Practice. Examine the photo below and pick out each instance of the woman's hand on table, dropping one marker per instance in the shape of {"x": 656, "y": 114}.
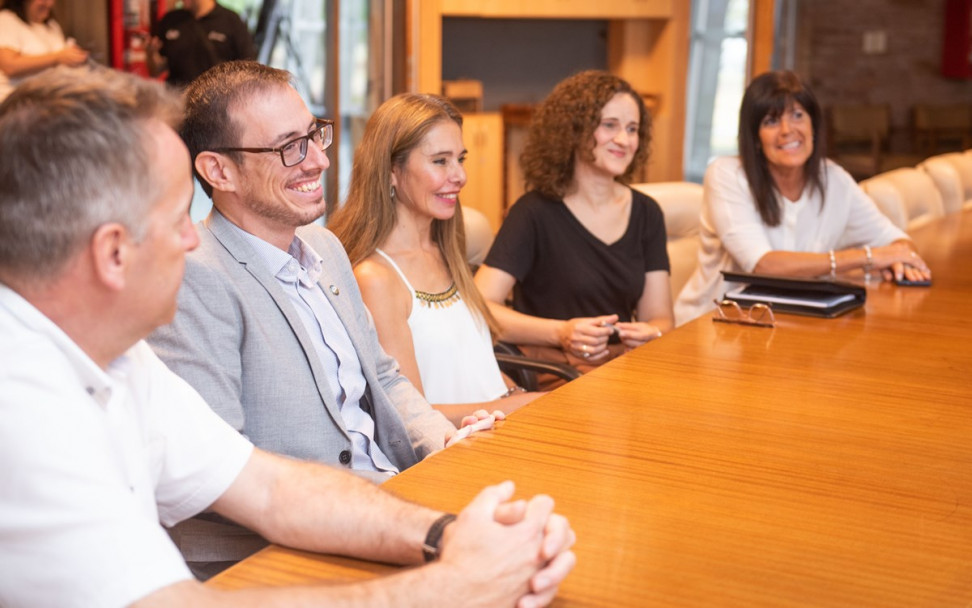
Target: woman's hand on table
{"x": 899, "y": 260}
{"x": 587, "y": 337}
{"x": 480, "y": 420}
{"x": 635, "y": 334}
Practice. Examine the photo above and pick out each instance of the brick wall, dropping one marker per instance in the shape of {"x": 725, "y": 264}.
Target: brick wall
{"x": 830, "y": 53}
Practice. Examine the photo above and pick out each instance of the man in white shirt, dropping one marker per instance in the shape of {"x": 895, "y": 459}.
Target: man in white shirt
{"x": 100, "y": 442}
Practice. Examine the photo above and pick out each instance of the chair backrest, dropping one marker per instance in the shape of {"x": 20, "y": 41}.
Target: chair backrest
{"x": 887, "y": 198}
{"x": 919, "y": 195}
{"x": 943, "y": 116}
{"x": 857, "y": 136}
{"x": 962, "y": 161}
{"x": 522, "y": 370}
{"x": 859, "y": 123}
{"x": 681, "y": 203}
{"x": 947, "y": 180}
{"x": 933, "y": 123}
{"x": 479, "y": 235}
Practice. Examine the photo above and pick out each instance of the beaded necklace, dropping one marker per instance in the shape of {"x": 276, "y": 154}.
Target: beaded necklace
{"x": 442, "y": 299}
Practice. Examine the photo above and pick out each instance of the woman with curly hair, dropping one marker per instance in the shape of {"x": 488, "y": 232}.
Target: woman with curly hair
{"x": 583, "y": 253}
{"x": 402, "y": 228}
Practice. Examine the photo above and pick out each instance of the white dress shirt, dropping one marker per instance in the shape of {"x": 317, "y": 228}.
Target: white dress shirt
{"x": 298, "y": 271}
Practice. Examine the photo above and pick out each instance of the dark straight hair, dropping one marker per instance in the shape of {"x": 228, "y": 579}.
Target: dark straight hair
{"x": 19, "y": 8}
{"x": 770, "y": 94}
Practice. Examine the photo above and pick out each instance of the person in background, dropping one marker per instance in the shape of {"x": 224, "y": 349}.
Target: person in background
{"x": 101, "y": 443}
{"x": 271, "y": 328}
{"x": 188, "y": 41}
{"x": 781, "y": 208}
{"x": 31, "y": 41}
{"x": 402, "y": 227}
{"x": 583, "y": 253}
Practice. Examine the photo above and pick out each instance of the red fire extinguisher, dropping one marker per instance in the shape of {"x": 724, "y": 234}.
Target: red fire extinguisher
{"x": 131, "y": 27}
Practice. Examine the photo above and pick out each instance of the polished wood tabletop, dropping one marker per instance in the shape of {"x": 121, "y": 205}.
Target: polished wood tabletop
{"x": 824, "y": 462}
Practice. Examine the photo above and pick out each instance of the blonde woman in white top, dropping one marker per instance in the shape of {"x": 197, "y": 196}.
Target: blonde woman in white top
{"x": 31, "y": 41}
{"x": 402, "y": 228}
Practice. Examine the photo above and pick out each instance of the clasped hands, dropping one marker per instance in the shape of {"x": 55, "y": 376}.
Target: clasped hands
{"x": 508, "y": 551}
{"x": 587, "y": 337}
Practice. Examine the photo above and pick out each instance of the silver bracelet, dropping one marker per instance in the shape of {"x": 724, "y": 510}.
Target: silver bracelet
{"x": 833, "y": 263}
{"x": 512, "y": 390}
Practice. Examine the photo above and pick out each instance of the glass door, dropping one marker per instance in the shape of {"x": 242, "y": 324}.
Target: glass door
{"x": 341, "y": 56}
{"x": 717, "y": 78}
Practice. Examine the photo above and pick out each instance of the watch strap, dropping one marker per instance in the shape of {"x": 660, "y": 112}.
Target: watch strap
{"x": 430, "y": 548}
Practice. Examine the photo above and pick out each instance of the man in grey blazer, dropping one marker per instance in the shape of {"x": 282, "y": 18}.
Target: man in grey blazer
{"x": 271, "y": 328}
{"x": 102, "y": 444}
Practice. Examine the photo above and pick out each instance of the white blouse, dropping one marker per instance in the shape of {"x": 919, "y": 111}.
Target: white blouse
{"x": 734, "y": 237}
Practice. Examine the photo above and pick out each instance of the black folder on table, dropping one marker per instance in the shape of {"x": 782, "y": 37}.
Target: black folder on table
{"x": 814, "y": 297}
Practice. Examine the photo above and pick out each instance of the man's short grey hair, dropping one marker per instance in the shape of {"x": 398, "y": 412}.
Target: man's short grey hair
{"x": 75, "y": 156}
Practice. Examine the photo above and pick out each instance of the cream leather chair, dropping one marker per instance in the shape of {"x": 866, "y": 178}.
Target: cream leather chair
{"x": 947, "y": 180}
{"x": 859, "y": 138}
{"x": 962, "y": 161}
{"x": 682, "y": 203}
{"x": 479, "y": 235}
{"x": 916, "y": 191}
{"x": 887, "y": 198}
{"x": 522, "y": 370}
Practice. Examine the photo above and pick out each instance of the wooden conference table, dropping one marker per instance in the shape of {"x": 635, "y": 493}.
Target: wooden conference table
{"x": 826, "y": 462}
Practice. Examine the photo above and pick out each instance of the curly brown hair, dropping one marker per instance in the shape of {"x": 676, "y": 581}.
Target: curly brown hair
{"x": 563, "y": 127}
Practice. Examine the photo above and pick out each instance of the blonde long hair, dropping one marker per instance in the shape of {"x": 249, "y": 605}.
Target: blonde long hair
{"x": 368, "y": 216}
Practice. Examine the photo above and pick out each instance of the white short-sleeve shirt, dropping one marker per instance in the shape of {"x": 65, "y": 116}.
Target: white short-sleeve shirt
{"x": 92, "y": 461}
{"x": 26, "y": 39}
{"x": 733, "y": 236}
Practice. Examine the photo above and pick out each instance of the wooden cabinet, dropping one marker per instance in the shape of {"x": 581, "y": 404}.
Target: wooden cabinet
{"x": 648, "y": 45}
{"x": 559, "y": 9}
{"x": 482, "y": 133}
{"x": 652, "y": 54}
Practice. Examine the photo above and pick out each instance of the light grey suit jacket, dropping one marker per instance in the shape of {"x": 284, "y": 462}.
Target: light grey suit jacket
{"x": 237, "y": 339}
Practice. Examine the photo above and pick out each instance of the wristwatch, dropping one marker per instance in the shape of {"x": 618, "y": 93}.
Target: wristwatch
{"x": 430, "y": 548}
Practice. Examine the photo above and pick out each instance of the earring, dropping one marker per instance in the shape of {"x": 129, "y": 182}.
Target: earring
{"x": 393, "y": 191}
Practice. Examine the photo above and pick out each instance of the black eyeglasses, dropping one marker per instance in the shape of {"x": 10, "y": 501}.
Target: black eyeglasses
{"x": 294, "y": 151}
